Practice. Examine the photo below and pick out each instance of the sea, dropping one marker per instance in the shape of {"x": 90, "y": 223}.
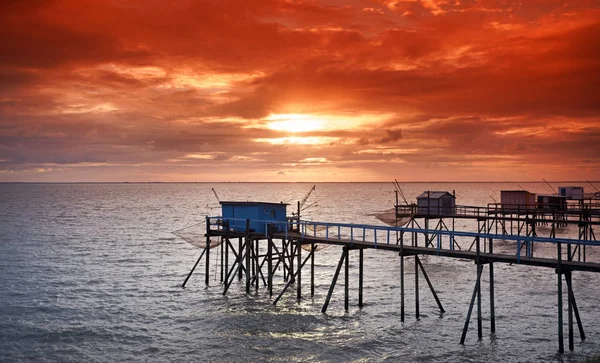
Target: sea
{"x": 93, "y": 273}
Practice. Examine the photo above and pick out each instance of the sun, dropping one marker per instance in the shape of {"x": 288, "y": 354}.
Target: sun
{"x": 294, "y": 123}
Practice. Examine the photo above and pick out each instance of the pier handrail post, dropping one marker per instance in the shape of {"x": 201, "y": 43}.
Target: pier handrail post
{"x": 375, "y": 233}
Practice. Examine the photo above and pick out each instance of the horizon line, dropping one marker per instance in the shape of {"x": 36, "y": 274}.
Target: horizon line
{"x": 290, "y": 182}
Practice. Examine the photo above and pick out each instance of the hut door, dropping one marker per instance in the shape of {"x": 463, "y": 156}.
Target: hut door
{"x": 446, "y": 205}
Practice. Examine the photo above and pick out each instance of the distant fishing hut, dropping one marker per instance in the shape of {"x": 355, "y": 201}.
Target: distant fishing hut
{"x": 517, "y": 201}
{"x": 571, "y": 192}
{"x": 551, "y": 203}
{"x": 260, "y": 214}
{"x": 436, "y": 203}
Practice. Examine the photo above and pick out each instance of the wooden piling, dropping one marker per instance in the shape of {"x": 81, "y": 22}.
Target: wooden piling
{"x": 270, "y": 265}
{"x": 240, "y": 270}
{"x": 478, "y": 287}
{"x": 346, "y": 279}
{"x": 299, "y": 274}
{"x": 312, "y": 271}
{"x": 417, "y": 315}
{"x": 207, "y": 270}
{"x": 467, "y": 320}
{"x": 257, "y": 271}
{"x": 238, "y": 264}
{"x": 492, "y": 297}
{"x": 248, "y": 263}
{"x": 289, "y": 249}
{"x": 575, "y": 309}
{"x": 561, "y": 343}
{"x": 227, "y": 243}
{"x": 569, "y": 304}
{"x": 570, "y": 313}
{"x": 360, "y": 278}
{"x": 222, "y": 257}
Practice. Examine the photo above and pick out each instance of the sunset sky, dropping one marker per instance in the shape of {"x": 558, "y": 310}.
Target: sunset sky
{"x": 299, "y": 90}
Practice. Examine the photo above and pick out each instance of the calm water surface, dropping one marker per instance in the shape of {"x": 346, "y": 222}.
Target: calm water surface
{"x": 92, "y": 272}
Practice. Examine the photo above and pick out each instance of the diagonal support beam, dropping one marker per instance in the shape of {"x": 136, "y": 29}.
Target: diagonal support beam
{"x": 237, "y": 265}
{"x": 475, "y": 291}
{"x": 193, "y": 268}
{"x": 335, "y": 277}
{"x": 291, "y": 281}
{"x": 575, "y": 309}
{"x": 437, "y": 300}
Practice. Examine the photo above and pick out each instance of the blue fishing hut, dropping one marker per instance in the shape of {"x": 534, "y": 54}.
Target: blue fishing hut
{"x": 260, "y": 215}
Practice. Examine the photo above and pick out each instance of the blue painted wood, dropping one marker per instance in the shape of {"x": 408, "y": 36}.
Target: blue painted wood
{"x": 260, "y": 215}
{"x": 282, "y": 225}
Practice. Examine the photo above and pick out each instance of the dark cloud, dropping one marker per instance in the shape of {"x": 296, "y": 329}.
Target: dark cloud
{"x": 482, "y": 85}
{"x": 391, "y": 136}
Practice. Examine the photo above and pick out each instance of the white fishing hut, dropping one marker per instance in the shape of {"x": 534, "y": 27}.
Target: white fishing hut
{"x": 571, "y": 192}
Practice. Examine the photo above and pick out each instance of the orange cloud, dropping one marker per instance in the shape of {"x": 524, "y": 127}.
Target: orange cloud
{"x": 429, "y": 89}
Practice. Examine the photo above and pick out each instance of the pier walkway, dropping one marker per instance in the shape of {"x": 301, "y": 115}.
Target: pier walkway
{"x": 259, "y": 256}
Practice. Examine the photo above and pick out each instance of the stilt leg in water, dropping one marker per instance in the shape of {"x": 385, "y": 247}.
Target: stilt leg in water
{"x": 402, "y": 288}
{"x": 466, "y": 327}
{"x": 360, "y": 278}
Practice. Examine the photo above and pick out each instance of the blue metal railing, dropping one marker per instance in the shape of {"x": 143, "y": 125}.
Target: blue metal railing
{"x": 380, "y": 235}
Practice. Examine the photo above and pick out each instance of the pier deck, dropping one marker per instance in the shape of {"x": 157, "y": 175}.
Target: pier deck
{"x": 257, "y": 257}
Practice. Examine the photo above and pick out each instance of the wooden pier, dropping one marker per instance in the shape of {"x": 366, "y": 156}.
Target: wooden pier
{"x": 255, "y": 258}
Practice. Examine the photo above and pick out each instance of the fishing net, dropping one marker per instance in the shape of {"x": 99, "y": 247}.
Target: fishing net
{"x": 318, "y": 247}
{"x": 389, "y": 217}
{"x": 196, "y": 236}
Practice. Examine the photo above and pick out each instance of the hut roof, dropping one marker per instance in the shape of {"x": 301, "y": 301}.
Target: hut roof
{"x": 434, "y": 195}
{"x": 252, "y": 203}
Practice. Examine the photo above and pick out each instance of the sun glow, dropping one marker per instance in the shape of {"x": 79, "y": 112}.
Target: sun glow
{"x": 294, "y": 123}
{"x": 316, "y": 140}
